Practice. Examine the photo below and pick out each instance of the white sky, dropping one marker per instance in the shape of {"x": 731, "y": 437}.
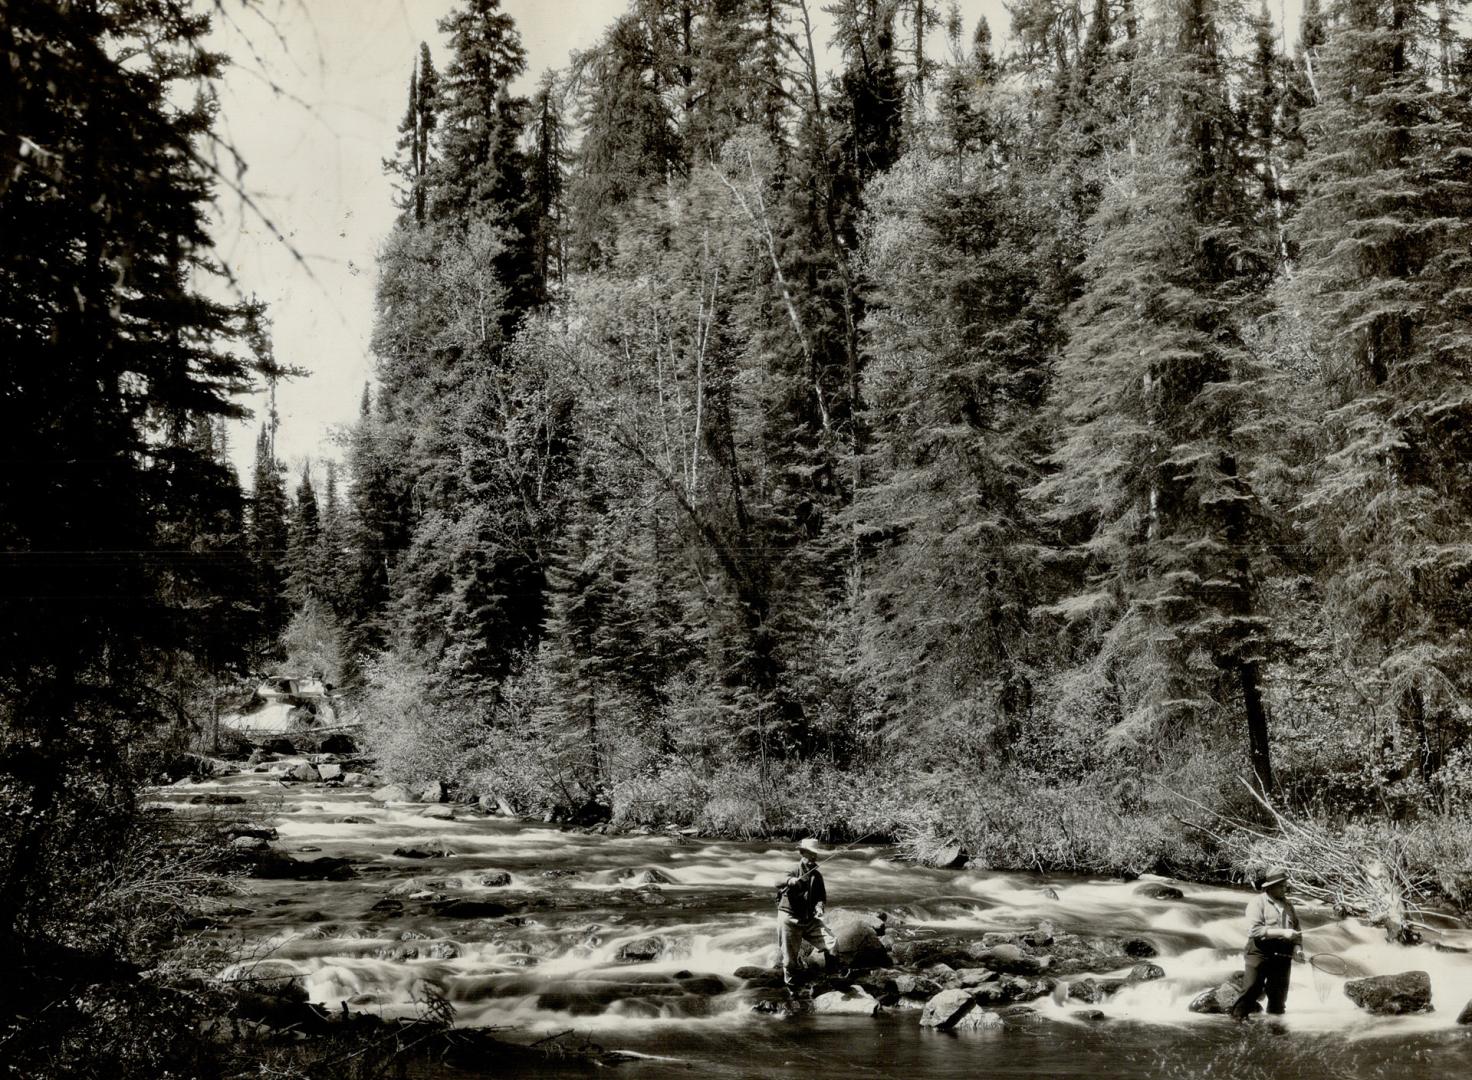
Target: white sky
{"x": 312, "y": 104}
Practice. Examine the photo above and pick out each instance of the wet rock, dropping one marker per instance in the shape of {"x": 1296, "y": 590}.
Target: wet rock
{"x": 701, "y": 985}
{"x": 330, "y": 771}
{"x": 648, "y": 876}
{"x": 1018, "y": 1011}
{"x": 443, "y": 950}
{"x": 249, "y": 843}
{"x": 915, "y": 986}
{"x": 431, "y": 792}
{"x": 1145, "y": 973}
{"x": 442, "y": 812}
{"x": 946, "y": 1008}
{"x": 433, "y": 850}
{"x": 353, "y": 779}
{"x": 555, "y": 874}
{"x": 1390, "y": 995}
{"x": 857, "y": 941}
{"x": 979, "y": 1020}
{"x": 496, "y": 879}
{"x": 257, "y": 756}
{"x": 1010, "y": 959}
{"x": 213, "y": 798}
{"x": 759, "y": 978}
{"x": 926, "y": 952}
{"x": 415, "y": 885}
{"x": 1092, "y": 1015}
{"x": 1215, "y": 1000}
{"x": 1041, "y": 936}
{"x": 1085, "y": 990}
{"x": 642, "y": 950}
{"x": 1156, "y": 890}
{"x": 992, "y": 938}
{"x": 1138, "y": 948}
{"x": 355, "y": 819}
{"x": 304, "y": 773}
{"x": 950, "y": 857}
{"x": 1050, "y": 893}
{"x": 855, "y": 1002}
{"x": 391, "y": 793}
{"x": 1465, "y": 1016}
{"x": 973, "y": 977}
{"x": 237, "y": 829}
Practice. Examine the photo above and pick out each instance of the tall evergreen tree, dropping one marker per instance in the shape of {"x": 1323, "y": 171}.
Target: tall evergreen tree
{"x": 304, "y": 538}
{"x": 416, "y": 130}
{"x": 1383, "y": 281}
{"x": 268, "y": 540}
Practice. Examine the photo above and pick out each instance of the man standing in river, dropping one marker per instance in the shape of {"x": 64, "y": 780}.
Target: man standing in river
{"x": 801, "y": 901}
{"x": 1274, "y": 941}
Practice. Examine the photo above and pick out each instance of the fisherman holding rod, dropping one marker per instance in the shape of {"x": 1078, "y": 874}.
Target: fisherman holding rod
{"x": 801, "y": 900}
{"x": 1274, "y": 941}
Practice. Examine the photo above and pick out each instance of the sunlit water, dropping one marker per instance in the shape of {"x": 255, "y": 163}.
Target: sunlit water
{"x": 555, "y": 965}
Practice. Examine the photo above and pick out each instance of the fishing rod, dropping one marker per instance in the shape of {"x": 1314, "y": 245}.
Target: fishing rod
{"x": 847, "y": 846}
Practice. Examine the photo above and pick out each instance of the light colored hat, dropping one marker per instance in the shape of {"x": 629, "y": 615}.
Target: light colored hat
{"x": 811, "y": 845}
{"x": 1274, "y": 875}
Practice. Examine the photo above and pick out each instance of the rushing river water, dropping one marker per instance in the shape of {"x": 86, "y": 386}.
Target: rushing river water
{"x": 587, "y": 949}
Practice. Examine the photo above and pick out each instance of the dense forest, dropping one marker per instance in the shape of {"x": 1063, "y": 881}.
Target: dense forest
{"x": 966, "y": 443}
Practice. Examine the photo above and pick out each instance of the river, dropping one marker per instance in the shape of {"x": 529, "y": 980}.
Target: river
{"x": 586, "y": 946}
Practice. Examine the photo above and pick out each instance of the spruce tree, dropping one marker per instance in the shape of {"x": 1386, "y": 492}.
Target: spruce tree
{"x": 268, "y": 541}
{"x": 1382, "y": 282}
{"x": 304, "y": 538}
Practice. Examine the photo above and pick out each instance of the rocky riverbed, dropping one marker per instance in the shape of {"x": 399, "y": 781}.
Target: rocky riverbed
{"x": 371, "y": 900}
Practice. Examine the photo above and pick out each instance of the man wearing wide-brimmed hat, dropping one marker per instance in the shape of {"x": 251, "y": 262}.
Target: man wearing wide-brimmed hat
{"x": 801, "y": 900}
{"x": 1274, "y": 941}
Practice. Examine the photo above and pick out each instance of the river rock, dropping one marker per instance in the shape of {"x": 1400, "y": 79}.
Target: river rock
{"x": 250, "y": 843}
{"x": 330, "y": 771}
{"x": 355, "y": 819}
{"x": 946, "y": 1008}
{"x": 211, "y": 798}
{"x": 433, "y": 850}
{"x": 854, "y": 1002}
{"x": 857, "y": 940}
{"x": 496, "y": 879}
{"x": 642, "y": 950}
{"x": 442, "y": 812}
{"x": 1087, "y": 991}
{"x": 950, "y": 857}
{"x": 1157, "y": 890}
{"x": 648, "y": 876}
{"x": 979, "y": 1020}
{"x": 1041, "y": 936}
{"x": 432, "y": 792}
{"x": 1390, "y": 995}
{"x": 1050, "y": 893}
{"x": 922, "y": 953}
{"x": 911, "y": 986}
{"x": 392, "y": 793}
{"x": 1215, "y": 1000}
{"x": 1138, "y": 948}
{"x": 1465, "y": 1016}
{"x": 1145, "y": 973}
{"x": 304, "y": 773}
{"x": 469, "y": 909}
{"x": 1010, "y": 959}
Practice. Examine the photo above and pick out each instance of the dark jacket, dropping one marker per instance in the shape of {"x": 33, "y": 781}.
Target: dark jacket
{"x": 802, "y": 892}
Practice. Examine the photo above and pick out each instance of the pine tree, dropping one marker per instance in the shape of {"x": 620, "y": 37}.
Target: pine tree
{"x": 268, "y": 540}
{"x": 1383, "y": 281}
{"x": 416, "y": 129}
{"x": 1155, "y": 390}
{"x": 304, "y": 538}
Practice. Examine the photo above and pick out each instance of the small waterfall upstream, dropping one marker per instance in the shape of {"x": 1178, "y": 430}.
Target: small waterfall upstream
{"x": 637, "y": 941}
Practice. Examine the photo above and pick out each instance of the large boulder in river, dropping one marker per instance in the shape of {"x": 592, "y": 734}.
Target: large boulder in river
{"x": 1391, "y": 995}
{"x": 1465, "y": 1016}
{"x": 946, "y": 1008}
{"x": 330, "y": 771}
{"x": 979, "y": 1020}
{"x": 391, "y": 793}
{"x": 857, "y": 939}
{"x": 853, "y": 1002}
{"x": 440, "y": 810}
{"x": 305, "y": 773}
{"x": 1215, "y": 1000}
{"x": 432, "y": 792}
{"x": 1157, "y": 890}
